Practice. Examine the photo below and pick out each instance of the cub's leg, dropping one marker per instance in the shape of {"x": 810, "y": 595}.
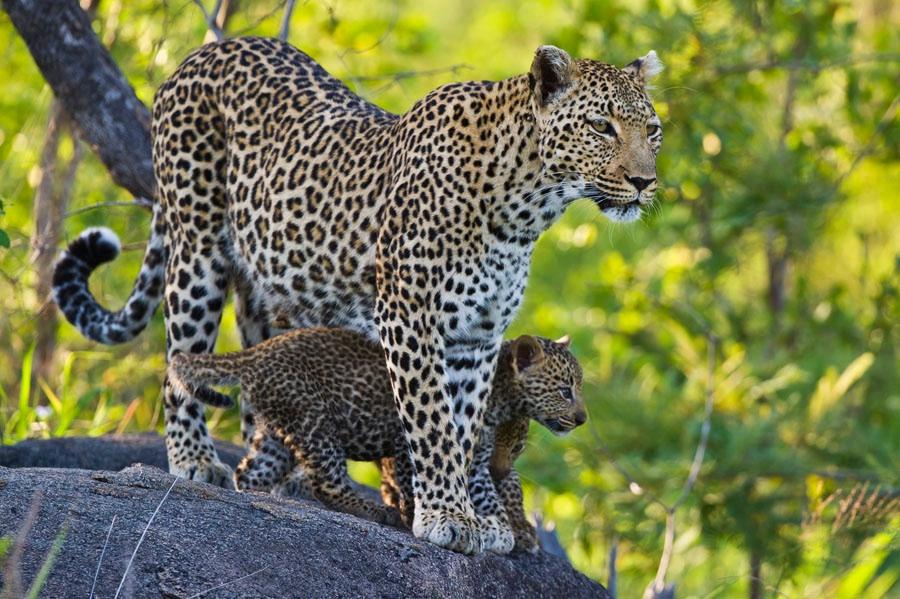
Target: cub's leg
{"x": 510, "y": 491}
{"x": 391, "y": 491}
{"x": 325, "y": 465}
{"x": 509, "y": 443}
{"x": 195, "y": 294}
{"x": 265, "y": 465}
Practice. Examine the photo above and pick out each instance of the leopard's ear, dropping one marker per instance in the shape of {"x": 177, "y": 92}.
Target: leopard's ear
{"x": 644, "y": 69}
{"x": 553, "y": 73}
{"x": 565, "y": 340}
{"x": 526, "y": 352}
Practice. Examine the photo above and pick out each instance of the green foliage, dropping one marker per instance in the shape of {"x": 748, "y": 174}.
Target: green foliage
{"x": 776, "y": 231}
{"x": 4, "y": 236}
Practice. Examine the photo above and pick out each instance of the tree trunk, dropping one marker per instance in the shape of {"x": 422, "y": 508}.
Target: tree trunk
{"x": 755, "y": 576}
{"x": 103, "y": 106}
{"x": 50, "y": 200}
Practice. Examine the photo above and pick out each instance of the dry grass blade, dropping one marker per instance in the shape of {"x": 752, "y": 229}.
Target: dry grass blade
{"x": 12, "y": 587}
{"x": 225, "y": 584}
{"x": 141, "y": 540}
{"x": 102, "y": 553}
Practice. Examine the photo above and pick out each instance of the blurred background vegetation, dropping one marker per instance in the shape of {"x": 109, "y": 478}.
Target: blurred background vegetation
{"x": 773, "y": 248}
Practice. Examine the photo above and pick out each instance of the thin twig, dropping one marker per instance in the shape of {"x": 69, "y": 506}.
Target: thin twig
{"x": 705, "y": 427}
{"x": 669, "y": 543}
{"x": 102, "y": 553}
{"x": 210, "y": 18}
{"x": 869, "y": 147}
{"x": 139, "y": 202}
{"x": 400, "y": 75}
{"x": 141, "y": 540}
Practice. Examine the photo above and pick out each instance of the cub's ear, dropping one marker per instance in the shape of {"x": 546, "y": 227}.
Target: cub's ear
{"x": 644, "y": 69}
{"x": 565, "y": 340}
{"x": 526, "y": 352}
{"x": 553, "y": 72}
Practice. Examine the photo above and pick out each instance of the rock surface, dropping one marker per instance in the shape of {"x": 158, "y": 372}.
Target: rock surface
{"x": 219, "y": 543}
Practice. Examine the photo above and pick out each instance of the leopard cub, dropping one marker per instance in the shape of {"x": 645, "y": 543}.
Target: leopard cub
{"x": 327, "y": 394}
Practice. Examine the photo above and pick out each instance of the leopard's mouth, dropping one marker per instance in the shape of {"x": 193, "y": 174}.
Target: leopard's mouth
{"x": 556, "y": 427}
{"x": 607, "y": 204}
{"x": 595, "y": 192}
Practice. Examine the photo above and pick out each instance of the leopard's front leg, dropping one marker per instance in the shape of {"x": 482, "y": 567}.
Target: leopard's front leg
{"x": 418, "y": 369}
{"x": 470, "y": 368}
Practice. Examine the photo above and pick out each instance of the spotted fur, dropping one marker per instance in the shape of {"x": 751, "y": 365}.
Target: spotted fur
{"x": 328, "y": 394}
{"x": 319, "y": 209}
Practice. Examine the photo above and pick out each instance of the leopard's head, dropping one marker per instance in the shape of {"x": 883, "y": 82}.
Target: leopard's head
{"x": 548, "y": 381}
{"x": 599, "y": 134}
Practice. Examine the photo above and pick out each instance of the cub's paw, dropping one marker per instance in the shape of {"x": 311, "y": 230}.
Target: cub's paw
{"x": 496, "y": 534}
{"x": 296, "y": 485}
{"x": 526, "y": 538}
{"x": 391, "y": 517}
{"x": 212, "y": 472}
{"x": 453, "y": 531}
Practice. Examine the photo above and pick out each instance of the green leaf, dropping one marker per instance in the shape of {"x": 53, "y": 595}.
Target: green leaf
{"x": 25, "y": 417}
{"x": 4, "y": 239}
{"x": 832, "y": 387}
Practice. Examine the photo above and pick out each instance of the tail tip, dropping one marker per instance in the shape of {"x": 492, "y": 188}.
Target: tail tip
{"x": 95, "y": 246}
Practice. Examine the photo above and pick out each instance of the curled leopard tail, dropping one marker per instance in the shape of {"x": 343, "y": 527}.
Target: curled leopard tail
{"x": 195, "y": 374}
{"x": 85, "y": 253}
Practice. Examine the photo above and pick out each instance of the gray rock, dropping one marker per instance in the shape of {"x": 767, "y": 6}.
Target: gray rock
{"x": 221, "y": 543}
{"x": 109, "y": 452}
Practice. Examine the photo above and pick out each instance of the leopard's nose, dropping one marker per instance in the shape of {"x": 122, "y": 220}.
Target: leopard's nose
{"x": 640, "y": 183}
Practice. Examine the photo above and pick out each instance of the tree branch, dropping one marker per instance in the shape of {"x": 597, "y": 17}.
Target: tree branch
{"x": 285, "y": 29}
{"x": 103, "y": 106}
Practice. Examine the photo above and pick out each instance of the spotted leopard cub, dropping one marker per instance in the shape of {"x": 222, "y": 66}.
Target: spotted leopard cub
{"x": 535, "y": 379}
{"x": 327, "y": 392}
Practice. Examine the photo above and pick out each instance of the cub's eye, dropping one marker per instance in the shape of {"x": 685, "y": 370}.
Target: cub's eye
{"x": 566, "y": 392}
{"x": 603, "y": 127}
{"x": 652, "y": 129}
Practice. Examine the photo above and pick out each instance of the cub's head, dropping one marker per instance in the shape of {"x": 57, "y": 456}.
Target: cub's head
{"x": 599, "y": 133}
{"x": 547, "y": 378}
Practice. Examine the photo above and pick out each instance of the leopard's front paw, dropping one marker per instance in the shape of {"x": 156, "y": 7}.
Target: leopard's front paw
{"x": 496, "y": 534}
{"x": 212, "y": 472}
{"x": 453, "y": 531}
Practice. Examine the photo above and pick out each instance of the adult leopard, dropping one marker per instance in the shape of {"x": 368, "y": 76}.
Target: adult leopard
{"x": 320, "y": 209}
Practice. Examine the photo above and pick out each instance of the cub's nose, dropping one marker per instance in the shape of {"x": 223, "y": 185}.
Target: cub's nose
{"x": 580, "y": 418}
{"x": 640, "y": 183}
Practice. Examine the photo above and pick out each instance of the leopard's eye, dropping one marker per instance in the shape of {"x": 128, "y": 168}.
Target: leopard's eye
{"x": 603, "y": 127}
{"x": 566, "y": 392}
{"x": 652, "y": 129}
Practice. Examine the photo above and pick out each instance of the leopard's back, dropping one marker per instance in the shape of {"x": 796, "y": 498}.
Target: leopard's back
{"x": 271, "y": 165}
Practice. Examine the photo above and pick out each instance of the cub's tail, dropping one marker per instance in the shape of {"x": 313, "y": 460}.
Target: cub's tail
{"x": 89, "y": 250}
{"x": 195, "y": 374}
